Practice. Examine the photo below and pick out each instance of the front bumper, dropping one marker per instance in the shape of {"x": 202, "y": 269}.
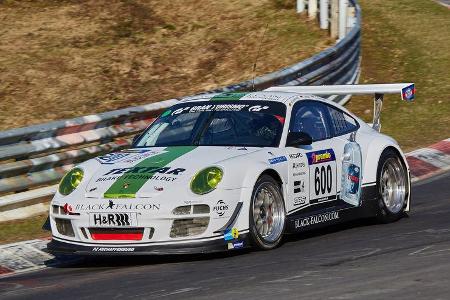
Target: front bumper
{"x": 210, "y": 245}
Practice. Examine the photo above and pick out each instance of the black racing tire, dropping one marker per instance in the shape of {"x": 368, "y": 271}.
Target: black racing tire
{"x": 273, "y": 216}
{"x": 393, "y": 187}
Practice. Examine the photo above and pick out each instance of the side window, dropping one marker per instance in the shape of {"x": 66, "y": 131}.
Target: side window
{"x": 341, "y": 122}
{"x": 312, "y": 118}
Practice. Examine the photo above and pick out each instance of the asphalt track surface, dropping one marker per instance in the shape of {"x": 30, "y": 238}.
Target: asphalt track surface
{"x": 409, "y": 259}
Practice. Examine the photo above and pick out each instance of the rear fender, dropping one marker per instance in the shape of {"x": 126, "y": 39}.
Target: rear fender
{"x": 374, "y": 150}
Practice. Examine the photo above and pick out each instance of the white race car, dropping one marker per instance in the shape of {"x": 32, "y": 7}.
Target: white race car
{"x": 227, "y": 171}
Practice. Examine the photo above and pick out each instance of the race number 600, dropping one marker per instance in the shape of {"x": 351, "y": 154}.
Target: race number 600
{"x": 323, "y": 180}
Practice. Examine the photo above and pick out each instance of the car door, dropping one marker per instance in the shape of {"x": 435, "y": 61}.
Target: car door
{"x": 312, "y": 168}
{"x": 348, "y": 155}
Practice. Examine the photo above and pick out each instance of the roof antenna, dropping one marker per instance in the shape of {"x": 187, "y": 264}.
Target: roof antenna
{"x": 257, "y": 56}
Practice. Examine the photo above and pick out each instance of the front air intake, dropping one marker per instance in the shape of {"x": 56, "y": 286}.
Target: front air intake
{"x": 189, "y": 227}
{"x": 64, "y": 227}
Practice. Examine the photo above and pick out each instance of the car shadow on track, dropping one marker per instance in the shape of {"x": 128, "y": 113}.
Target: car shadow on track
{"x": 117, "y": 261}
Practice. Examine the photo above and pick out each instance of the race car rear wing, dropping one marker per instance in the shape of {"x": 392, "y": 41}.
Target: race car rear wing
{"x": 407, "y": 92}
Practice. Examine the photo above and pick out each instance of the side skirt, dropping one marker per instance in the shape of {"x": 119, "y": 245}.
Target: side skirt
{"x": 333, "y": 212}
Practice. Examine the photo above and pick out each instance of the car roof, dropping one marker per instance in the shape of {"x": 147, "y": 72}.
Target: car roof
{"x": 283, "y": 97}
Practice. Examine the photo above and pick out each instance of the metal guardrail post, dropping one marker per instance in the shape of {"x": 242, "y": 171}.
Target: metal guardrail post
{"x": 312, "y": 9}
{"x": 324, "y": 14}
{"x": 334, "y": 19}
{"x": 343, "y": 4}
{"x": 300, "y": 6}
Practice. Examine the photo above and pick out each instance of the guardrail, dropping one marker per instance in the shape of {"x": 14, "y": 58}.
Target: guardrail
{"x": 32, "y": 158}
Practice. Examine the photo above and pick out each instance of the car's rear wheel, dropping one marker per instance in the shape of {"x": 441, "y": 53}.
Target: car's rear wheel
{"x": 267, "y": 213}
{"x": 393, "y": 187}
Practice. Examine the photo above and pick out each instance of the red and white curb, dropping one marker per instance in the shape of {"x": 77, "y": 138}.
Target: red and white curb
{"x": 429, "y": 161}
{"x": 23, "y": 257}
{"x": 30, "y": 255}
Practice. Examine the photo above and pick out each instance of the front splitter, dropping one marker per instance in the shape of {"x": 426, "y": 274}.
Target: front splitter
{"x": 209, "y": 246}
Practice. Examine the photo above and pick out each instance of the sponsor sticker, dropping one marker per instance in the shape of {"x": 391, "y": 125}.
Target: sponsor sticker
{"x": 113, "y": 219}
{"x": 139, "y": 156}
{"x": 220, "y": 208}
{"x": 277, "y": 160}
{"x": 298, "y": 165}
{"x": 111, "y": 249}
{"x": 316, "y": 219}
{"x": 300, "y": 200}
{"x": 408, "y": 93}
{"x": 111, "y": 158}
{"x": 299, "y": 186}
{"x": 236, "y": 245}
{"x": 257, "y": 108}
{"x": 320, "y": 156}
{"x": 295, "y": 155}
{"x": 231, "y": 234}
{"x": 111, "y": 206}
{"x": 298, "y": 174}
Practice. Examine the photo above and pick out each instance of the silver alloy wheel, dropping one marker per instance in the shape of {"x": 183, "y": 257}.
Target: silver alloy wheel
{"x": 393, "y": 185}
{"x": 268, "y": 212}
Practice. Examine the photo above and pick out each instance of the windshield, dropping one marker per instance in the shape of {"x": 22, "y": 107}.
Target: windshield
{"x": 224, "y": 123}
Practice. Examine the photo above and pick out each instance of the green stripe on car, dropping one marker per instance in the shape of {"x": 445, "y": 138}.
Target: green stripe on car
{"x": 228, "y": 96}
{"x": 130, "y": 183}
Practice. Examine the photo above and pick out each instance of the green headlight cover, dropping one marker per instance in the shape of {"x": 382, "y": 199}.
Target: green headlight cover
{"x": 70, "y": 181}
{"x": 206, "y": 180}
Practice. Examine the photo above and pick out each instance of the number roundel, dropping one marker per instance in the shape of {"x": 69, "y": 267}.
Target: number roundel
{"x": 323, "y": 181}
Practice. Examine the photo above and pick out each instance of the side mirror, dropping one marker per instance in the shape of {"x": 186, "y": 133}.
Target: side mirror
{"x": 295, "y": 139}
{"x": 135, "y": 139}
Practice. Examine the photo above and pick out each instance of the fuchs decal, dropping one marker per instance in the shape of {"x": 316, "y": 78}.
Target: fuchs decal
{"x": 220, "y": 208}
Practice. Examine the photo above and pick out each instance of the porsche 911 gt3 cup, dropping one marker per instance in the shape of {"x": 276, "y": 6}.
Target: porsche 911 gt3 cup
{"x": 228, "y": 171}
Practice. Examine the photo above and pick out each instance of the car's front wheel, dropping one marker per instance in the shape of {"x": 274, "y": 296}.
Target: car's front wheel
{"x": 267, "y": 213}
{"x": 393, "y": 187}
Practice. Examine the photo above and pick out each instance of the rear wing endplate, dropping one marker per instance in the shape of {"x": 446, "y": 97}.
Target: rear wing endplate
{"x": 407, "y": 92}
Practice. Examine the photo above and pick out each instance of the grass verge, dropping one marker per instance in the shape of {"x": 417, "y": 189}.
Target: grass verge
{"x": 408, "y": 41}
{"x": 67, "y": 58}
{"x": 21, "y": 230}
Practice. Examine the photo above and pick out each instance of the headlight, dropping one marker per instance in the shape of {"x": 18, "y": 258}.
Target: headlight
{"x": 206, "y": 180}
{"x": 70, "y": 181}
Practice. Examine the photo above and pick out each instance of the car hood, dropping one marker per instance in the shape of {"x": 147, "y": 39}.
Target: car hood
{"x": 147, "y": 172}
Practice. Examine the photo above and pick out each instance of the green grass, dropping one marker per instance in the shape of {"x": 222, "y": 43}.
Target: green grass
{"x": 408, "y": 41}
{"x": 21, "y": 230}
{"x": 68, "y": 58}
